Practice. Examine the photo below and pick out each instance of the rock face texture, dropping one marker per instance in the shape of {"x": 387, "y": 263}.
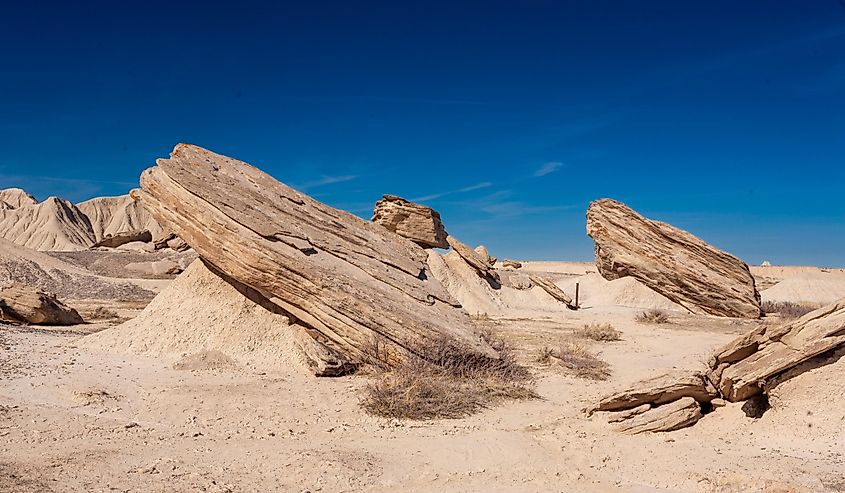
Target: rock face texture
{"x": 348, "y": 279}
{"x": 745, "y": 369}
{"x": 671, "y": 261}
{"x": 674, "y": 416}
{"x": 418, "y": 223}
{"x": 25, "y": 304}
{"x": 110, "y": 216}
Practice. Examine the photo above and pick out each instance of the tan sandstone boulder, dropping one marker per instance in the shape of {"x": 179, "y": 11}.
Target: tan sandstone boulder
{"x": 480, "y": 263}
{"x": 349, "y": 280}
{"x": 24, "y": 304}
{"x": 670, "y": 261}
{"x": 418, "y": 223}
{"x": 669, "y": 417}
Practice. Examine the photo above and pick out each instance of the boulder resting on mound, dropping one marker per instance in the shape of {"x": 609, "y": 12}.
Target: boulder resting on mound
{"x": 418, "y": 223}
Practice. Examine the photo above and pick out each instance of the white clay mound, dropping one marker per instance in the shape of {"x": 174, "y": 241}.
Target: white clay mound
{"x": 197, "y": 312}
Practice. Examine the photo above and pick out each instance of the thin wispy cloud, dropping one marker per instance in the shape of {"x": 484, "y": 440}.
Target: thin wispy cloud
{"x": 548, "y": 168}
{"x": 325, "y": 180}
{"x": 477, "y": 186}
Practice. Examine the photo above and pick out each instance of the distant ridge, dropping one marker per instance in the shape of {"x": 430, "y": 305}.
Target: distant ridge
{"x": 59, "y": 225}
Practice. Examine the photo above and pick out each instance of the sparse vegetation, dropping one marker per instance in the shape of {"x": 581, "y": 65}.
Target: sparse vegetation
{"x": 445, "y": 381}
{"x": 103, "y": 313}
{"x": 652, "y": 317}
{"x": 576, "y": 359}
{"x": 599, "y": 332}
{"x": 786, "y": 309}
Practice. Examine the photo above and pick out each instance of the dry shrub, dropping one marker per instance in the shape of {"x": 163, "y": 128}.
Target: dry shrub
{"x": 580, "y": 362}
{"x": 786, "y": 309}
{"x": 652, "y": 317}
{"x": 599, "y": 332}
{"x": 446, "y": 380}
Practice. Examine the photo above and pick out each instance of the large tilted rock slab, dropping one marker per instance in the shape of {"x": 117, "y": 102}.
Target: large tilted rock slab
{"x": 670, "y": 261}
{"x": 25, "y": 304}
{"x": 418, "y": 223}
{"x": 348, "y": 279}
{"x": 745, "y": 366}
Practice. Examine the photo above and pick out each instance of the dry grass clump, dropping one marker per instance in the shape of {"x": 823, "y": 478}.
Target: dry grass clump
{"x": 652, "y": 317}
{"x": 599, "y": 332}
{"x": 576, "y": 359}
{"x": 446, "y": 381}
{"x": 786, "y": 309}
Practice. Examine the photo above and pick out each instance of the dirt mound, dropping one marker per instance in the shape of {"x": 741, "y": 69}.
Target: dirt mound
{"x": 478, "y": 296}
{"x": 199, "y": 311}
{"x": 113, "y": 215}
{"x": 810, "y": 288}
{"x": 54, "y": 224}
{"x": 12, "y": 198}
{"x": 28, "y": 267}
{"x": 595, "y": 291}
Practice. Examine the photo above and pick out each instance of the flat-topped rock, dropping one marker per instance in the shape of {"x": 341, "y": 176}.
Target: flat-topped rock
{"x": 418, "y": 223}
{"x": 673, "y": 262}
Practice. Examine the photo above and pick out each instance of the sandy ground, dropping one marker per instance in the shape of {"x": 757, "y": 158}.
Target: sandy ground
{"x": 76, "y": 420}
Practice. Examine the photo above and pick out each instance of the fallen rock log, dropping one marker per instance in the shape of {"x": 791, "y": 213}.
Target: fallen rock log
{"x": 513, "y": 264}
{"x": 171, "y": 241}
{"x": 348, "y": 279}
{"x": 25, "y": 304}
{"x": 480, "y": 264}
{"x": 418, "y": 223}
{"x": 118, "y": 239}
{"x": 659, "y": 390}
{"x": 555, "y": 292}
{"x": 669, "y": 417}
{"x": 671, "y": 261}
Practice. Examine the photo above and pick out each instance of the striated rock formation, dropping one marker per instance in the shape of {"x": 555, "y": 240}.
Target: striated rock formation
{"x": 747, "y": 368}
{"x": 349, "y": 280}
{"x": 54, "y": 224}
{"x": 171, "y": 241}
{"x": 418, "y": 223}
{"x": 760, "y": 359}
{"x": 26, "y": 304}
{"x": 670, "y": 261}
{"x": 110, "y": 216}
{"x": 674, "y": 416}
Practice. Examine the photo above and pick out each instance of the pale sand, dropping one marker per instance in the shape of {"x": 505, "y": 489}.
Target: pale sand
{"x": 77, "y": 419}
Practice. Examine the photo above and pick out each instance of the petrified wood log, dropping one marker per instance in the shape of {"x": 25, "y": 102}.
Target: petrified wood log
{"x": 668, "y": 417}
{"x": 551, "y": 288}
{"x": 670, "y": 261}
{"x": 474, "y": 259}
{"x": 348, "y": 279}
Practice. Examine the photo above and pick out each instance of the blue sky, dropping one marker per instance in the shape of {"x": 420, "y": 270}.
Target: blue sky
{"x": 724, "y": 118}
